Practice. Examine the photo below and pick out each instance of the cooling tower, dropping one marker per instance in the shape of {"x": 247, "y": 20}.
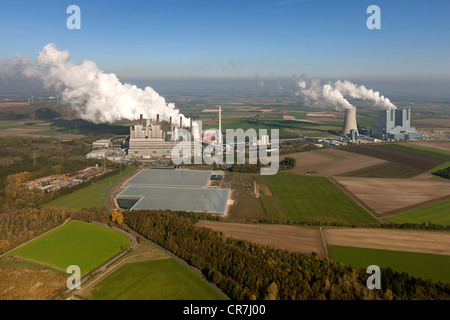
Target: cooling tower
{"x": 350, "y": 121}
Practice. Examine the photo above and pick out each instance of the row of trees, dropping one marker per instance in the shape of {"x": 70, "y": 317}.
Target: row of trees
{"x": 444, "y": 173}
{"x": 248, "y": 271}
{"x": 386, "y": 225}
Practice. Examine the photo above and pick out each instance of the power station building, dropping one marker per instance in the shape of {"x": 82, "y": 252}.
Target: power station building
{"x": 394, "y": 124}
{"x": 149, "y": 140}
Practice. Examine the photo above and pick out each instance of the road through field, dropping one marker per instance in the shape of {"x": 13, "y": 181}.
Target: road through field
{"x": 278, "y": 236}
{"x": 397, "y": 240}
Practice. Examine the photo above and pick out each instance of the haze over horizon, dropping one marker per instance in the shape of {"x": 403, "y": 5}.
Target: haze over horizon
{"x": 234, "y": 46}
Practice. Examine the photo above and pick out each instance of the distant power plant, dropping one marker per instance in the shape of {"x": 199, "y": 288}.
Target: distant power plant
{"x": 394, "y": 125}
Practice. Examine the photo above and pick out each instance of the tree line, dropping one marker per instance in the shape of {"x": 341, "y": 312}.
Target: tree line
{"x": 444, "y": 173}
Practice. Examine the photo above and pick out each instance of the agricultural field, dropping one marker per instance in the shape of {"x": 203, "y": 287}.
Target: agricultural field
{"x": 90, "y": 196}
{"x": 330, "y": 162}
{"x": 417, "y": 161}
{"x": 437, "y": 213}
{"x": 165, "y": 279}
{"x": 420, "y": 150}
{"x": 308, "y": 198}
{"x": 386, "y": 196}
{"x": 389, "y": 239}
{"x": 427, "y": 266}
{"x": 75, "y": 243}
{"x": 277, "y": 236}
{"x": 384, "y": 170}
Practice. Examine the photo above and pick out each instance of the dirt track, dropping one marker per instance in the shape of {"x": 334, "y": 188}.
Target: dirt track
{"x": 278, "y": 236}
{"x": 398, "y": 240}
{"x": 384, "y": 195}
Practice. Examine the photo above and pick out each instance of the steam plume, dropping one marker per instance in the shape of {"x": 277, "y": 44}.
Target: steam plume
{"x": 97, "y": 96}
{"x": 334, "y": 95}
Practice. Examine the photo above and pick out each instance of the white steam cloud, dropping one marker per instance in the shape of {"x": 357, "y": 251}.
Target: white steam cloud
{"x": 333, "y": 95}
{"x": 97, "y": 96}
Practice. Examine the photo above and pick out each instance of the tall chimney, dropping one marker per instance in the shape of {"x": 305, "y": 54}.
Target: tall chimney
{"x": 170, "y": 124}
{"x": 141, "y": 119}
{"x": 350, "y": 121}
{"x": 220, "y": 124}
{"x": 191, "y": 124}
{"x": 181, "y": 122}
{"x": 157, "y": 119}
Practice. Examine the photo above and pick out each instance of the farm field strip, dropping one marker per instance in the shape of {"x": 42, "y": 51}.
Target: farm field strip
{"x": 420, "y": 150}
{"x": 417, "y": 161}
{"x": 325, "y": 165}
{"x": 438, "y": 213}
{"x": 396, "y": 240}
{"x": 389, "y": 195}
{"x": 307, "y": 198}
{"x": 384, "y": 170}
{"x": 278, "y": 236}
{"x": 427, "y": 266}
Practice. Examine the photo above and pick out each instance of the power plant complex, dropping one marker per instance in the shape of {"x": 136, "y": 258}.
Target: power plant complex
{"x": 392, "y": 124}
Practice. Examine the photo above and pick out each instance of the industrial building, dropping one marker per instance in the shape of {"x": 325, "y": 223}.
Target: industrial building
{"x": 184, "y": 190}
{"x": 98, "y": 154}
{"x": 101, "y": 144}
{"x": 149, "y": 141}
{"x": 394, "y": 124}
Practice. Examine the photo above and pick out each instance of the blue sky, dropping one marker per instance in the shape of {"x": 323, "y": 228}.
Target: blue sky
{"x": 238, "y": 39}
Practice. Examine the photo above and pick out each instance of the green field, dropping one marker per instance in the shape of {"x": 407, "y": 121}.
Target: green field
{"x": 427, "y": 266}
{"x": 90, "y": 196}
{"x": 76, "y": 243}
{"x": 165, "y": 279}
{"x": 438, "y": 213}
{"x": 312, "y": 198}
{"x": 441, "y": 166}
{"x": 334, "y": 156}
{"x": 420, "y": 150}
{"x": 384, "y": 170}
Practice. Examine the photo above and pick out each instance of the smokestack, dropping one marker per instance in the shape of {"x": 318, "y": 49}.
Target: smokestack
{"x": 191, "y": 124}
{"x": 170, "y": 124}
{"x": 220, "y": 124}
{"x": 157, "y": 119}
{"x": 350, "y": 121}
{"x": 141, "y": 119}
{"x": 181, "y": 122}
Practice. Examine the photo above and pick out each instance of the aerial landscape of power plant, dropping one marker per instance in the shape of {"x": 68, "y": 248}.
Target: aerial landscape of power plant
{"x": 245, "y": 160}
